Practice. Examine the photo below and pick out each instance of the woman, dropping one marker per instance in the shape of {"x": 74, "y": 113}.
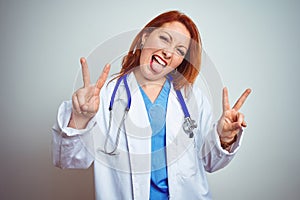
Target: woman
{"x": 149, "y": 131}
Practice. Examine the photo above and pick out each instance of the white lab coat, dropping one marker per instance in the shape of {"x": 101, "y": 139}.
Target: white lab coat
{"x": 127, "y": 175}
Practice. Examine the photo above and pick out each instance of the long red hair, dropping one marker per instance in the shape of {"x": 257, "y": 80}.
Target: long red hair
{"x": 190, "y": 66}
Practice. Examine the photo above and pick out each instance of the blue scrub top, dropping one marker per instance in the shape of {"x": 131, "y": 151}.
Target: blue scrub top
{"x": 157, "y": 117}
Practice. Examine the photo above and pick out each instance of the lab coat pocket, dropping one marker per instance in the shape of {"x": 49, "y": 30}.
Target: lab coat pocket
{"x": 187, "y": 162}
{"x": 118, "y": 161}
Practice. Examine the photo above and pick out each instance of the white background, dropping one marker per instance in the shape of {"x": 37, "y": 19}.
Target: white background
{"x": 252, "y": 43}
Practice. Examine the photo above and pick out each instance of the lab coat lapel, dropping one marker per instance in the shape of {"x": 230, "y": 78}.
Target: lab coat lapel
{"x": 175, "y": 134}
{"x": 138, "y": 132}
{"x": 174, "y": 120}
{"x": 138, "y": 127}
{"x": 177, "y": 141}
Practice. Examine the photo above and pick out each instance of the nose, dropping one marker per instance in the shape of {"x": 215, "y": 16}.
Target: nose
{"x": 167, "y": 54}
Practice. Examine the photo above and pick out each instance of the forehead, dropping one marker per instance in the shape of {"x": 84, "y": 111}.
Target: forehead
{"x": 177, "y": 27}
{"x": 176, "y": 30}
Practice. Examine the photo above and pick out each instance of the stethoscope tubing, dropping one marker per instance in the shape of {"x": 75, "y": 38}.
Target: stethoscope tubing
{"x": 188, "y": 125}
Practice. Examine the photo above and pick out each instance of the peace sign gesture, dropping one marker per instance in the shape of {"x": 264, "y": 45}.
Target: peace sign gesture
{"x": 86, "y": 100}
{"x": 231, "y": 121}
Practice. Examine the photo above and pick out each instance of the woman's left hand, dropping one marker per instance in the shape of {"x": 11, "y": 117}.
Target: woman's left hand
{"x": 231, "y": 121}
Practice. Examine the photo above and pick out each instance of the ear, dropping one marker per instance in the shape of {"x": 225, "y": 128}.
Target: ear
{"x": 145, "y": 37}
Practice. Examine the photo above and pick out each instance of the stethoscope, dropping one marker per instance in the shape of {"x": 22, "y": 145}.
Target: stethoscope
{"x": 188, "y": 125}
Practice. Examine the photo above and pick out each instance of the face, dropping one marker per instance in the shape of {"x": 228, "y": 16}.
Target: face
{"x": 164, "y": 49}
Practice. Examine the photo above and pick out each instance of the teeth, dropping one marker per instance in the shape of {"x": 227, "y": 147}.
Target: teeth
{"x": 159, "y": 60}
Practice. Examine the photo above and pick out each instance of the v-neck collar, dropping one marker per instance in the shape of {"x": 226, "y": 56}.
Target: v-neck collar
{"x": 164, "y": 91}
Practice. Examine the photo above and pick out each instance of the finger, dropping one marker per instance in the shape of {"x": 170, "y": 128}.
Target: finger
{"x": 75, "y": 103}
{"x": 93, "y": 105}
{"x": 241, "y": 100}
{"x": 244, "y": 124}
{"x": 85, "y": 72}
{"x": 226, "y": 105}
{"x": 232, "y": 127}
{"x": 92, "y": 99}
{"x": 81, "y": 100}
{"x": 101, "y": 80}
{"x": 240, "y": 118}
{"x": 84, "y": 109}
{"x": 90, "y": 108}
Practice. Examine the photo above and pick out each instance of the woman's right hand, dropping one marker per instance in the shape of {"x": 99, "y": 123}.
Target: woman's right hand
{"x": 86, "y": 100}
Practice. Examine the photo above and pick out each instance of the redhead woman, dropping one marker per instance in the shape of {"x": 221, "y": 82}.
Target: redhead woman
{"x": 148, "y": 131}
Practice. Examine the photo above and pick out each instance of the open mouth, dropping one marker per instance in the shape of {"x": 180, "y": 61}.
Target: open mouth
{"x": 157, "y": 63}
{"x": 159, "y": 60}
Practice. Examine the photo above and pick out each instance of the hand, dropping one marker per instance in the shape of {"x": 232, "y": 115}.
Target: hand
{"x": 86, "y": 100}
{"x": 231, "y": 121}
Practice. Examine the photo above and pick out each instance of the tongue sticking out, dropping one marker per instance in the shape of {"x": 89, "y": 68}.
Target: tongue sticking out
{"x": 157, "y": 64}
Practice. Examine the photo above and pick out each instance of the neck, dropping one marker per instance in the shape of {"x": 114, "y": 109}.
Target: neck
{"x": 147, "y": 83}
{"x": 152, "y": 88}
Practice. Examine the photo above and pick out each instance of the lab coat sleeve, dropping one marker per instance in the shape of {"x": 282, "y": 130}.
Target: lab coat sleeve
{"x": 213, "y": 156}
{"x": 69, "y": 146}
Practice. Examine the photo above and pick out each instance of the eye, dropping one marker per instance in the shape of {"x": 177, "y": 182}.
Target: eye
{"x": 181, "y": 52}
{"x": 164, "y": 38}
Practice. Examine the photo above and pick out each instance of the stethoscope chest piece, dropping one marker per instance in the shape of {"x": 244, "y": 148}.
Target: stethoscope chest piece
{"x": 188, "y": 126}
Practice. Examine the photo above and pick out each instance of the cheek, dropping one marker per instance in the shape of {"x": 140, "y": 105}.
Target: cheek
{"x": 176, "y": 61}
{"x": 145, "y": 56}
{"x": 151, "y": 43}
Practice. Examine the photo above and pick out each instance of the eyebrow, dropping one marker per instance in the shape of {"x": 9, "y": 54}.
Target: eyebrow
{"x": 170, "y": 36}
